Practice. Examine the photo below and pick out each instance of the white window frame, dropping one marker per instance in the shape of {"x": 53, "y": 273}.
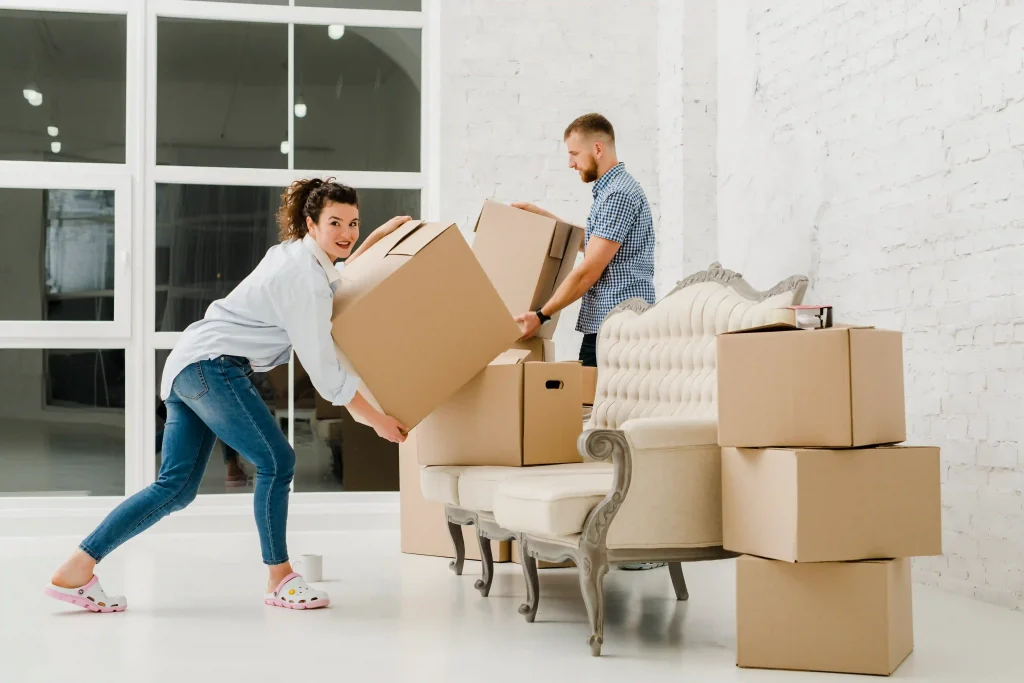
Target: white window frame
{"x": 44, "y": 175}
{"x": 134, "y": 182}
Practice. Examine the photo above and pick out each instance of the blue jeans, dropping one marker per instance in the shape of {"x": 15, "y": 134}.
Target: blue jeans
{"x": 210, "y": 399}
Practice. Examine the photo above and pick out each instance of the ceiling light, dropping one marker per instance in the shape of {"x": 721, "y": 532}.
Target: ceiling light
{"x": 285, "y": 147}
{"x": 30, "y": 91}
{"x": 55, "y": 147}
{"x": 300, "y": 108}
{"x": 52, "y": 131}
{"x": 336, "y": 31}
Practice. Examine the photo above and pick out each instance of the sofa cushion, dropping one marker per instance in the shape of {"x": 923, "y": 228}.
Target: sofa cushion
{"x": 550, "y": 505}
{"x": 478, "y": 484}
{"x": 441, "y": 483}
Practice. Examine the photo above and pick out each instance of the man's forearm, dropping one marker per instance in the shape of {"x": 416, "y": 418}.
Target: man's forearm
{"x": 571, "y": 290}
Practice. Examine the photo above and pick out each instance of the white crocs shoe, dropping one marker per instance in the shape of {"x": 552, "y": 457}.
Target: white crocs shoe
{"x": 90, "y": 596}
{"x": 294, "y": 593}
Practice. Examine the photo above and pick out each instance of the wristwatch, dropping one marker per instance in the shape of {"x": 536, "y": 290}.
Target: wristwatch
{"x": 543, "y": 318}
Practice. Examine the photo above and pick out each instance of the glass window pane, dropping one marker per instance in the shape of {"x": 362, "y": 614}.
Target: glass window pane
{"x": 209, "y": 238}
{"x": 62, "y": 422}
{"x": 62, "y": 86}
{"x": 63, "y": 267}
{"x": 357, "y": 98}
{"x": 222, "y": 93}
{"x": 407, "y": 5}
{"x": 228, "y": 472}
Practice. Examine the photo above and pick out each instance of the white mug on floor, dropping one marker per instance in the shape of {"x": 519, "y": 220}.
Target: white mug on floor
{"x": 310, "y": 566}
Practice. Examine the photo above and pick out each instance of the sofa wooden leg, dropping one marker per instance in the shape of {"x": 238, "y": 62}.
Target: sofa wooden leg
{"x": 529, "y": 564}
{"x": 592, "y": 575}
{"x": 460, "y": 548}
{"x": 484, "y": 584}
{"x": 675, "y": 570}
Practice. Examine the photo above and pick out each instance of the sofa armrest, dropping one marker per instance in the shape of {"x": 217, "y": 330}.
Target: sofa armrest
{"x": 658, "y": 433}
{"x": 661, "y": 497}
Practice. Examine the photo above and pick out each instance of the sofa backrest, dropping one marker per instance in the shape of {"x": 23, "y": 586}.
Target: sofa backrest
{"x": 660, "y": 360}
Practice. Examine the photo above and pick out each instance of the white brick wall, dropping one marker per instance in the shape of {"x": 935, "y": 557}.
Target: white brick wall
{"x": 687, "y": 145}
{"x": 514, "y": 74}
{"x": 878, "y": 145}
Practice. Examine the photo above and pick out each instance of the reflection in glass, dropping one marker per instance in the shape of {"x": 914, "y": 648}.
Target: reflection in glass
{"x": 63, "y": 267}
{"x": 357, "y": 98}
{"x": 208, "y": 239}
{"x": 62, "y": 87}
{"x": 62, "y": 422}
{"x": 222, "y": 93}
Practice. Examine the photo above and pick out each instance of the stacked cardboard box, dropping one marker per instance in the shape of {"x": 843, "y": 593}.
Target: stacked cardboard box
{"x": 825, "y": 509}
{"x": 524, "y": 406}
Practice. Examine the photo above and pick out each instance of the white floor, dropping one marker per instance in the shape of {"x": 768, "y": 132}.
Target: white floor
{"x": 196, "y": 614}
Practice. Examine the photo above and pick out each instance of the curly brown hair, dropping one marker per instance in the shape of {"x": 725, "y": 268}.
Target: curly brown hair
{"x": 307, "y": 198}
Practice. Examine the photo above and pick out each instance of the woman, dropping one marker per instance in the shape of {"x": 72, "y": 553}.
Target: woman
{"x": 284, "y": 303}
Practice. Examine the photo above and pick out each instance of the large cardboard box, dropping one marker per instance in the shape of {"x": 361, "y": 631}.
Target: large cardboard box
{"x": 832, "y": 388}
{"x": 526, "y": 256}
{"x": 844, "y": 617}
{"x": 416, "y": 318}
{"x": 424, "y": 528}
{"x": 802, "y": 505}
{"x": 513, "y": 413}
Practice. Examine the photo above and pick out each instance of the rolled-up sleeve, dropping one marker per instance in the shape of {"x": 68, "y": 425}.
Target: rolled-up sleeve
{"x": 304, "y": 309}
{"x": 614, "y": 217}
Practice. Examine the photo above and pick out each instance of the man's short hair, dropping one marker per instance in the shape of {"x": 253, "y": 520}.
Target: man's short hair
{"x": 589, "y": 124}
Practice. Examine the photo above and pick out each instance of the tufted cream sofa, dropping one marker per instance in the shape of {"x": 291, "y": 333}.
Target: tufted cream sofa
{"x": 649, "y": 489}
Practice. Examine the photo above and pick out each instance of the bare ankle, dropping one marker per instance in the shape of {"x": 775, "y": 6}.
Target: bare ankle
{"x": 277, "y": 574}
{"x": 76, "y": 572}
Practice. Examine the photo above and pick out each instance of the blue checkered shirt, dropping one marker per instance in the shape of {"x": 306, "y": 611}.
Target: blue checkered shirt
{"x": 620, "y": 214}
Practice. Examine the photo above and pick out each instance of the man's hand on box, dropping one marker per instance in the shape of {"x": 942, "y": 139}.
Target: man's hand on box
{"x": 529, "y": 323}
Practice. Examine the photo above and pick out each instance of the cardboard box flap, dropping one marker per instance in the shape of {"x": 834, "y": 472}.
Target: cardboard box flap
{"x": 786, "y": 327}
{"x": 559, "y": 240}
{"x": 422, "y": 235}
{"x": 767, "y": 327}
{"x": 512, "y": 357}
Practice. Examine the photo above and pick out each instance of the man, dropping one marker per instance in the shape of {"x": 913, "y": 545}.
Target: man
{"x": 618, "y": 250}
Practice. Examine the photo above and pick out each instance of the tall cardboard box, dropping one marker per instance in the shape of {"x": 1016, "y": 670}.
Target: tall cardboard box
{"x": 395, "y": 326}
{"x": 844, "y": 617}
{"x": 802, "y": 505}
{"x": 512, "y": 414}
{"x": 832, "y": 388}
{"x": 589, "y": 386}
{"x": 424, "y": 528}
{"x": 526, "y": 256}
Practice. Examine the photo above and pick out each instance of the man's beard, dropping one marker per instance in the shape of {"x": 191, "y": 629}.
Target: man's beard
{"x": 589, "y": 174}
